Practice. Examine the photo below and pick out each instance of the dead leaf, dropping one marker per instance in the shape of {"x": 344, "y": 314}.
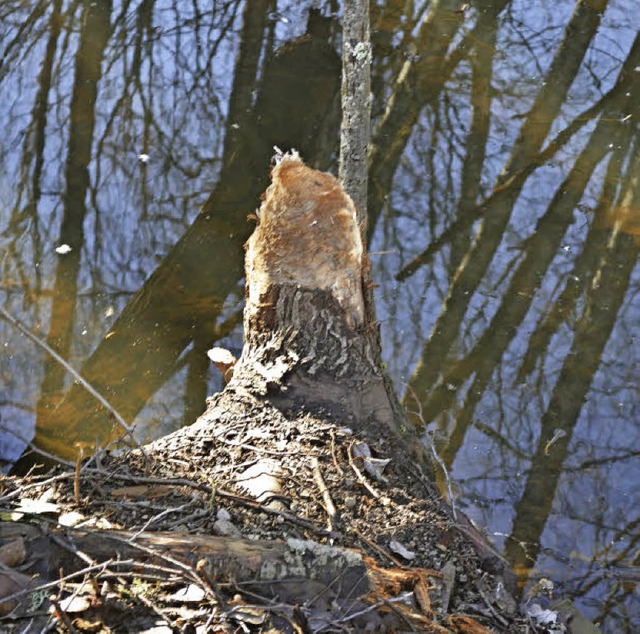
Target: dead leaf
{"x": 74, "y": 604}
{"x": 247, "y": 614}
{"x": 399, "y": 549}
{"x": 188, "y": 594}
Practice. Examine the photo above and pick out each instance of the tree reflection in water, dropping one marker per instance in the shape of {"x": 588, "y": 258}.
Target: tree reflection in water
{"x": 503, "y": 204}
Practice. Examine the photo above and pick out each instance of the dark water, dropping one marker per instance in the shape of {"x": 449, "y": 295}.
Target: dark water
{"x": 504, "y": 213}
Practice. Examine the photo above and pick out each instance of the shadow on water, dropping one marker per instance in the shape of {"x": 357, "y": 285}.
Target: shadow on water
{"x": 504, "y": 206}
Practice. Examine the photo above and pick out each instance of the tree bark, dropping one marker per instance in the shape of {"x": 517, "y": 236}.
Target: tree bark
{"x": 356, "y": 103}
{"x": 293, "y": 572}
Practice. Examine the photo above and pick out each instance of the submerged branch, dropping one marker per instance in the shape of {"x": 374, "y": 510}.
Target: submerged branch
{"x": 72, "y": 371}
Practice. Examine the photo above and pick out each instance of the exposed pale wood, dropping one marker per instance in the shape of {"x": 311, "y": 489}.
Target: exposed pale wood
{"x": 311, "y": 359}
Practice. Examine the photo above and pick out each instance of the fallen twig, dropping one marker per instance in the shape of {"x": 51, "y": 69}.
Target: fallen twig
{"x": 381, "y": 551}
{"x": 360, "y": 475}
{"x": 62, "y": 615}
{"x": 98, "y": 568}
{"x": 329, "y": 506}
{"x": 435, "y": 454}
{"x": 139, "y": 596}
{"x": 333, "y": 453}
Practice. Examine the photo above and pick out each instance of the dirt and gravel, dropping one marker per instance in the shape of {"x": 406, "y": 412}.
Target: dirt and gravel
{"x": 249, "y": 474}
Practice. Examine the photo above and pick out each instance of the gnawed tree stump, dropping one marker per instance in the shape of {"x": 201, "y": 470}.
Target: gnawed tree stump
{"x": 311, "y": 341}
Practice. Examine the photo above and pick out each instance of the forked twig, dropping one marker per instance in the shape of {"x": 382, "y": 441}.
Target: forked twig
{"x": 360, "y": 475}
{"x": 436, "y": 456}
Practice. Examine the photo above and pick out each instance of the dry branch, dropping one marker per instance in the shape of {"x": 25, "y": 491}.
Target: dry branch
{"x": 297, "y": 572}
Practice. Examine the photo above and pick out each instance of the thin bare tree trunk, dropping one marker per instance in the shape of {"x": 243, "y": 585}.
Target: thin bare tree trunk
{"x": 356, "y": 103}
{"x": 309, "y": 339}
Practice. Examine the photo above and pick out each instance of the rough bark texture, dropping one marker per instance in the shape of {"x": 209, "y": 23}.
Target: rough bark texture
{"x": 356, "y": 102}
{"x": 339, "y": 588}
{"x": 252, "y": 561}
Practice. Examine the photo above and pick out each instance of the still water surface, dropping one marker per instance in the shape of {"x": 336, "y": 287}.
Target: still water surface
{"x": 504, "y": 215}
